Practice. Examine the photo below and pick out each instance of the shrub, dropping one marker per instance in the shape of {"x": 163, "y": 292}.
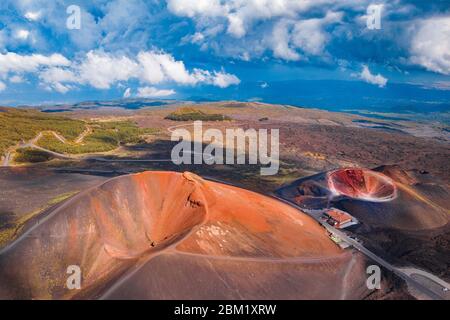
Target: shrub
{"x": 191, "y": 114}
{"x": 28, "y": 155}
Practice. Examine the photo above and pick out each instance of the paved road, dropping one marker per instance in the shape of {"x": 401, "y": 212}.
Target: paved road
{"x": 404, "y": 273}
{"x": 432, "y": 293}
{"x": 412, "y": 271}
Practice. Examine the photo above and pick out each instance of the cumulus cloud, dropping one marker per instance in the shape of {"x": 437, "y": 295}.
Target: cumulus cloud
{"x": 430, "y": 47}
{"x": 368, "y": 77}
{"x": 2, "y": 86}
{"x": 280, "y": 42}
{"x": 239, "y": 14}
{"x": 307, "y": 35}
{"x": 287, "y": 31}
{"x": 54, "y": 77}
{"x": 188, "y": 8}
{"x": 152, "y": 92}
{"x": 22, "y": 34}
{"x": 58, "y": 87}
{"x": 103, "y": 70}
{"x": 13, "y": 62}
{"x": 223, "y": 79}
{"x": 159, "y": 67}
{"x": 117, "y": 40}
{"x": 33, "y": 15}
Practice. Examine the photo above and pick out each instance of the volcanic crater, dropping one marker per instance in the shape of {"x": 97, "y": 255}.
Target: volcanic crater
{"x": 162, "y": 235}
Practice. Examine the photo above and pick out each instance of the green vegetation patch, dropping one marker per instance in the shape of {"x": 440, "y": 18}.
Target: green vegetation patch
{"x": 29, "y": 155}
{"x": 192, "y": 114}
{"x": 18, "y": 125}
{"x": 149, "y": 131}
{"x": 105, "y": 136}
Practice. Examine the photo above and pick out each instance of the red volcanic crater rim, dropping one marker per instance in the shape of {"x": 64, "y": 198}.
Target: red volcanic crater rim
{"x": 362, "y": 184}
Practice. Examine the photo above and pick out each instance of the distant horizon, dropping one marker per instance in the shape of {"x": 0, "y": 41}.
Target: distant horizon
{"x": 333, "y": 95}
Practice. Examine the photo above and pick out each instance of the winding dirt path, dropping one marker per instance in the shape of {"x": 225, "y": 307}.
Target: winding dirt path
{"x": 33, "y": 144}
{"x": 83, "y": 135}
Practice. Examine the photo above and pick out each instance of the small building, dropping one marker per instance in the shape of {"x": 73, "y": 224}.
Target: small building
{"x": 338, "y": 218}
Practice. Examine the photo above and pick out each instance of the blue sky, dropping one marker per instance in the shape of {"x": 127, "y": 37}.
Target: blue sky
{"x": 180, "y": 48}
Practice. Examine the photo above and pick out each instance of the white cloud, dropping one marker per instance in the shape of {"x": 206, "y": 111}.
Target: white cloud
{"x": 58, "y": 87}
{"x": 198, "y": 37}
{"x": 16, "y": 79}
{"x": 284, "y": 29}
{"x": 241, "y": 14}
{"x": 32, "y": 15}
{"x": 192, "y": 8}
{"x": 2, "y": 86}
{"x": 54, "y": 78}
{"x": 13, "y": 62}
{"x": 368, "y": 77}
{"x": 280, "y": 42}
{"x": 236, "y": 26}
{"x": 223, "y": 80}
{"x": 162, "y": 66}
{"x": 430, "y": 47}
{"x": 127, "y": 93}
{"x": 57, "y": 75}
{"x": 22, "y": 34}
{"x": 308, "y": 36}
{"x": 103, "y": 70}
{"x": 152, "y": 92}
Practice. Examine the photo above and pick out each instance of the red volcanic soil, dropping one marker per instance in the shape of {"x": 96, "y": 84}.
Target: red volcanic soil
{"x": 165, "y": 235}
{"x": 362, "y": 184}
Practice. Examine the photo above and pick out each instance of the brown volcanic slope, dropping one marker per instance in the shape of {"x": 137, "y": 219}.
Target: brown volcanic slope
{"x": 168, "y": 235}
